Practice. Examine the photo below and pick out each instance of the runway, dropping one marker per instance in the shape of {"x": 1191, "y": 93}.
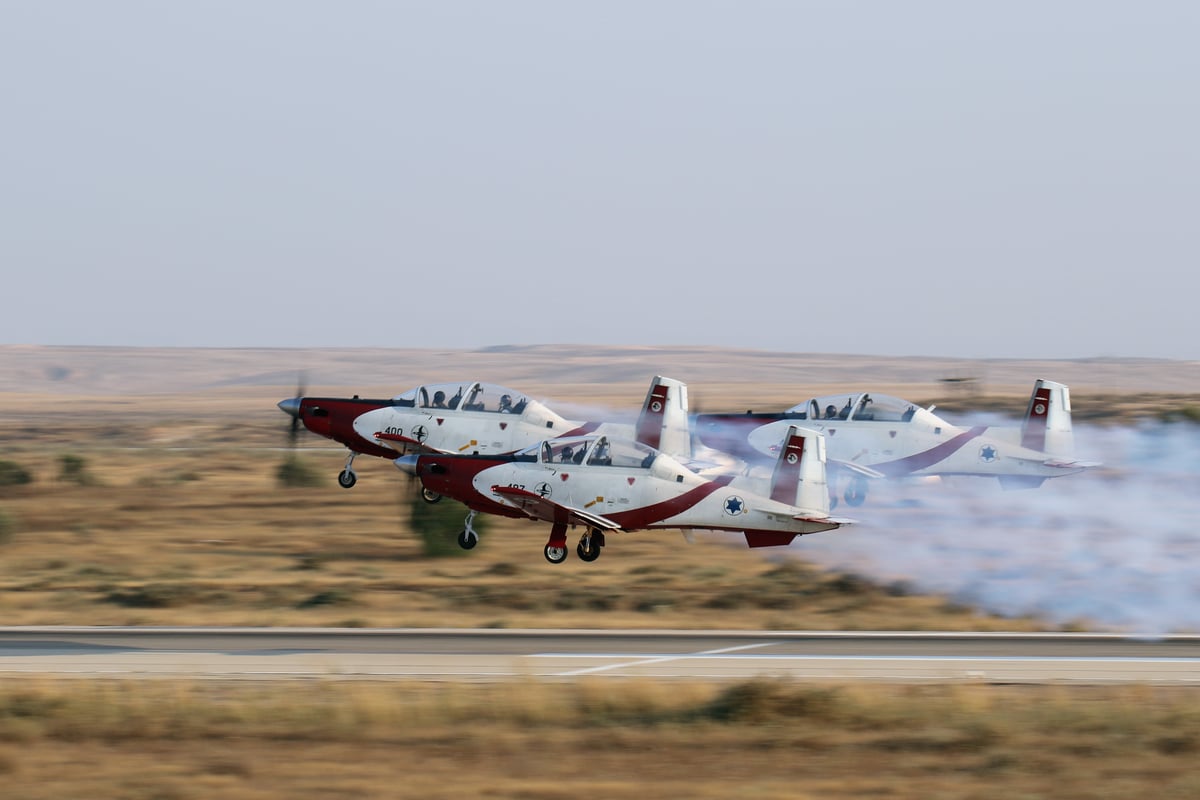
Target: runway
{"x": 496, "y": 655}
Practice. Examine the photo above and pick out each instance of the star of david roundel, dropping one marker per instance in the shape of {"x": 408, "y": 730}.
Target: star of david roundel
{"x": 734, "y": 506}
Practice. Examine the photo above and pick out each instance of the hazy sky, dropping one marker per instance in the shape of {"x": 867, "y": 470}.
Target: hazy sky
{"x": 1017, "y": 179}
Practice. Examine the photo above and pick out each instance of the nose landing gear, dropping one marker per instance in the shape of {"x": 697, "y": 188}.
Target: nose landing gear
{"x": 468, "y": 537}
{"x": 347, "y": 477}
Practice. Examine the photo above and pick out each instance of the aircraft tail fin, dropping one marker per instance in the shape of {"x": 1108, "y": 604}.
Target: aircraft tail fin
{"x": 1047, "y": 424}
{"x": 663, "y": 423}
{"x": 799, "y": 477}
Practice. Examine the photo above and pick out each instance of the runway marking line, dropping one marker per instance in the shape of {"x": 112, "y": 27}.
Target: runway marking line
{"x": 641, "y": 662}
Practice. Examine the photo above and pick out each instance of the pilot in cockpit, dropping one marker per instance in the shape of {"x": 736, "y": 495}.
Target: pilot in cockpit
{"x": 506, "y": 404}
{"x": 831, "y": 411}
{"x": 439, "y": 399}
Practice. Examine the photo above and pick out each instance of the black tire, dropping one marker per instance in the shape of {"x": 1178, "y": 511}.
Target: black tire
{"x": 555, "y": 555}
{"x": 346, "y": 479}
{"x": 430, "y": 496}
{"x": 856, "y": 493}
{"x": 468, "y": 539}
{"x": 590, "y": 553}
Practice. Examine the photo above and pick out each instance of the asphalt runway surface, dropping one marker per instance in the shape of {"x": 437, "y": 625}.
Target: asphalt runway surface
{"x": 495, "y": 655}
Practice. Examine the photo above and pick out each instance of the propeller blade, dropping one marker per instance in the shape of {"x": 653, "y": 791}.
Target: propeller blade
{"x": 292, "y": 406}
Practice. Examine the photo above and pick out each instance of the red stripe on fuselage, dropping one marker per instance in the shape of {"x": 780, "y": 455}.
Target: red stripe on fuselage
{"x": 646, "y": 516}
{"x": 582, "y": 430}
{"x": 927, "y": 458}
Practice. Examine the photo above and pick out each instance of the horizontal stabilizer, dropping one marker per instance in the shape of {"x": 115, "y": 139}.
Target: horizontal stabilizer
{"x": 824, "y": 518}
{"x": 1065, "y": 464}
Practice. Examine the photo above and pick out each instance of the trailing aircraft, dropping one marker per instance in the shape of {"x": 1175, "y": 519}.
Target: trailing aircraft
{"x": 609, "y": 485}
{"x": 478, "y": 418}
{"x": 876, "y": 436}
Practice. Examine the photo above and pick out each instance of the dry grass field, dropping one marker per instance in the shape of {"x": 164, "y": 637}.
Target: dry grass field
{"x": 154, "y": 501}
{"x": 766, "y": 740}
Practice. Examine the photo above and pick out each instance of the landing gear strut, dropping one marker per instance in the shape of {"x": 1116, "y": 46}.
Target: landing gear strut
{"x": 468, "y": 537}
{"x": 556, "y": 549}
{"x": 347, "y": 478}
{"x": 589, "y": 545}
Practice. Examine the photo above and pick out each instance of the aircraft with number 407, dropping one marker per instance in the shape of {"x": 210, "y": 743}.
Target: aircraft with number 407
{"x": 478, "y": 418}
{"x": 877, "y": 436}
{"x": 608, "y": 485}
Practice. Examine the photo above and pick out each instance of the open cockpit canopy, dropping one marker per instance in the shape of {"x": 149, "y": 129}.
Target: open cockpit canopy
{"x": 857, "y": 406}
{"x": 475, "y": 396}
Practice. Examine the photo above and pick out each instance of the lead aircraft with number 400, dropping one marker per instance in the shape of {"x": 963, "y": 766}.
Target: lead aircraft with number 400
{"x": 477, "y": 418}
{"x": 608, "y": 485}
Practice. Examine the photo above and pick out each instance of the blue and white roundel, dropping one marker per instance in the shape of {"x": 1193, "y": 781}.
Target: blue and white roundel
{"x": 988, "y": 454}
{"x": 735, "y": 505}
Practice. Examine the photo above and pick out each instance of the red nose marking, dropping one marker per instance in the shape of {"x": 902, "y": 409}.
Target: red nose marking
{"x": 564, "y": 476}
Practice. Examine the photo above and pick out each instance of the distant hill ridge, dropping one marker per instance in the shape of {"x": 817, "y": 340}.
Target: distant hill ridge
{"x": 138, "y": 370}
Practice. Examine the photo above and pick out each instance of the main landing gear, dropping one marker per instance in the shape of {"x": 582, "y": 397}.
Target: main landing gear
{"x": 430, "y": 496}
{"x": 347, "y": 478}
{"x": 555, "y": 550}
{"x": 856, "y": 491}
{"x": 588, "y": 548}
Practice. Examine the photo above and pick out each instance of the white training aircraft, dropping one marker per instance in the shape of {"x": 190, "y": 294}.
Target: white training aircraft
{"x": 477, "y": 418}
{"x": 608, "y": 485}
{"x": 877, "y": 436}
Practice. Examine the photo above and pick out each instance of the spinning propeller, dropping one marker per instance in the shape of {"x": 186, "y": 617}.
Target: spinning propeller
{"x": 292, "y": 407}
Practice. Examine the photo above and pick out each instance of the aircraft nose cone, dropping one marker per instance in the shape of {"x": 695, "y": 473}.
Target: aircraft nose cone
{"x": 290, "y": 406}
{"x": 407, "y": 464}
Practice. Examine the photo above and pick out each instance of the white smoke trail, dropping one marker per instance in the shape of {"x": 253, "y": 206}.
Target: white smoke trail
{"x": 1115, "y": 548}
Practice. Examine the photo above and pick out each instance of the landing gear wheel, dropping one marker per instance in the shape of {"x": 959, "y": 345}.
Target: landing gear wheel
{"x": 346, "y": 479}
{"x": 555, "y": 555}
{"x": 856, "y": 492}
{"x": 587, "y": 550}
{"x": 468, "y": 539}
{"x": 430, "y": 497}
